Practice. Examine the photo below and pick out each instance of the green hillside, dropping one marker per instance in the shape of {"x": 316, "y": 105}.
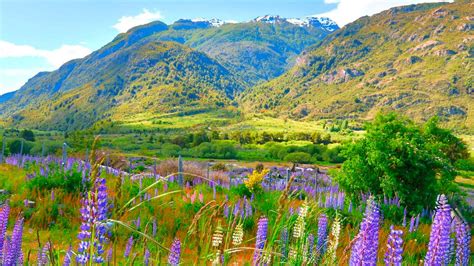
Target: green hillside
{"x": 416, "y": 59}
{"x": 146, "y": 76}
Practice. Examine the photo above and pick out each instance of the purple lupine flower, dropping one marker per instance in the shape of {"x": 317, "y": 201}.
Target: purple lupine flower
{"x": 4, "y": 212}
{"x": 412, "y": 224}
{"x": 440, "y": 231}
{"x": 146, "y": 257}
{"x": 154, "y": 227}
{"x": 68, "y": 257}
{"x": 463, "y": 240}
{"x": 43, "y": 258}
{"x": 94, "y": 216}
{"x": 109, "y": 254}
{"x": 260, "y": 239}
{"x": 226, "y": 210}
{"x": 128, "y": 247}
{"x": 14, "y": 248}
{"x": 175, "y": 252}
{"x": 237, "y": 208}
{"x": 322, "y": 234}
{"x": 404, "y": 222}
{"x": 364, "y": 250}
{"x": 52, "y": 195}
{"x": 417, "y": 221}
{"x": 310, "y": 245}
{"x": 284, "y": 242}
{"x": 393, "y": 256}
{"x": 248, "y": 208}
{"x": 137, "y": 223}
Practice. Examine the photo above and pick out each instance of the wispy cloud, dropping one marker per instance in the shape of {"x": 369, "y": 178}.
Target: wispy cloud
{"x": 349, "y": 10}
{"x": 127, "y": 22}
{"x": 14, "y": 78}
{"x": 55, "y": 57}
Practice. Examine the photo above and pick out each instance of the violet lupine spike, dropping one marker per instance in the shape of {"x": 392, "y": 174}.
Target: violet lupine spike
{"x": 310, "y": 245}
{"x": 146, "y": 257}
{"x": 412, "y": 224}
{"x": 440, "y": 231}
{"x": 404, "y": 222}
{"x": 393, "y": 256}
{"x": 43, "y": 258}
{"x": 14, "y": 249}
{"x": 109, "y": 254}
{"x": 463, "y": 240}
{"x": 154, "y": 228}
{"x": 284, "y": 243}
{"x": 364, "y": 250}
{"x": 175, "y": 252}
{"x": 4, "y": 212}
{"x": 94, "y": 216}
{"x": 322, "y": 234}
{"x": 128, "y": 247}
{"x": 261, "y": 239}
{"x": 68, "y": 257}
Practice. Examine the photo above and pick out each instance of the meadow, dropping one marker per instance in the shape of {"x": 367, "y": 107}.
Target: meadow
{"x": 93, "y": 205}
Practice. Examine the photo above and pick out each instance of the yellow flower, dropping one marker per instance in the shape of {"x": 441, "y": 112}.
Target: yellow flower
{"x": 255, "y": 179}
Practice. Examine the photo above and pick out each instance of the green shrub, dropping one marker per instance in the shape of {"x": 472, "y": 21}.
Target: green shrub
{"x": 298, "y": 157}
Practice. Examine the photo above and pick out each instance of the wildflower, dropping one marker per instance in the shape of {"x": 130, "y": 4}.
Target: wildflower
{"x": 14, "y": 248}
{"x": 238, "y": 235}
{"x": 109, "y": 254}
{"x": 260, "y": 239}
{"x": 334, "y": 241}
{"x": 43, "y": 257}
{"x": 404, "y": 222}
{"x": 284, "y": 242}
{"x": 68, "y": 257}
{"x": 412, "y": 224}
{"x": 255, "y": 179}
{"x": 440, "y": 231}
{"x": 322, "y": 234}
{"x": 146, "y": 257}
{"x": 310, "y": 242}
{"x": 364, "y": 251}
{"x": 218, "y": 236}
{"x": 463, "y": 240}
{"x": 94, "y": 216}
{"x": 298, "y": 230}
{"x": 4, "y": 212}
{"x": 155, "y": 227}
{"x": 175, "y": 252}
{"x": 393, "y": 256}
{"x": 201, "y": 197}
{"x": 128, "y": 247}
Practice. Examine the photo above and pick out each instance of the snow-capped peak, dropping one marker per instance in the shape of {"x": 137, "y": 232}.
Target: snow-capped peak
{"x": 267, "y": 19}
{"x": 213, "y": 22}
{"x": 310, "y": 21}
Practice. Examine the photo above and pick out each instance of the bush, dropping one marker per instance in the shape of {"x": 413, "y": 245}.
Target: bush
{"x": 397, "y": 157}
{"x": 298, "y": 157}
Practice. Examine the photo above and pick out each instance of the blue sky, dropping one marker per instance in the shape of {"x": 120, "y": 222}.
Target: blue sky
{"x": 41, "y": 35}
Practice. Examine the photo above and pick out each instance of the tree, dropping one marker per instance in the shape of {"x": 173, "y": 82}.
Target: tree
{"x": 27, "y": 134}
{"x": 397, "y": 157}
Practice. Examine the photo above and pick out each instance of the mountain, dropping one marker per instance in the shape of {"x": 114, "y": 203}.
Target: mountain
{"x": 129, "y": 76}
{"x": 159, "y": 68}
{"x": 256, "y": 51}
{"x": 415, "y": 59}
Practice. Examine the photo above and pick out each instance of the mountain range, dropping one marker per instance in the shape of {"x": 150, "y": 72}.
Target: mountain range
{"x": 415, "y": 59}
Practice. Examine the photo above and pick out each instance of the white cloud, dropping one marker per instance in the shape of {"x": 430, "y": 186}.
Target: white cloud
{"x": 349, "y": 10}
{"x": 55, "y": 57}
{"x": 127, "y": 22}
{"x": 14, "y": 78}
